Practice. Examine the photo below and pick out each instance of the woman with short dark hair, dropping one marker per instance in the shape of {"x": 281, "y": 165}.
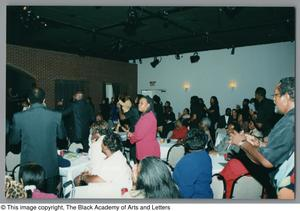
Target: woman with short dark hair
{"x": 144, "y": 134}
{"x": 33, "y": 177}
{"x": 113, "y": 169}
{"x": 193, "y": 172}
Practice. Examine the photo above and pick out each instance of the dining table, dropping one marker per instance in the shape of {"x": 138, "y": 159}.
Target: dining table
{"x": 79, "y": 163}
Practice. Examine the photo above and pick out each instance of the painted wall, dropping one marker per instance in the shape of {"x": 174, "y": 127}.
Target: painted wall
{"x": 250, "y": 67}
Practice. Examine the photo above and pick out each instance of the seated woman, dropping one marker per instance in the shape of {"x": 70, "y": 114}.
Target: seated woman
{"x": 113, "y": 169}
{"x": 33, "y": 177}
{"x": 152, "y": 179}
{"x": 179, "y": 132}
{"x": 185, "y": 117}
{"x": 96, "y": 156}
{"x": 193, "y": 172}
{"x": 205, "y": 124}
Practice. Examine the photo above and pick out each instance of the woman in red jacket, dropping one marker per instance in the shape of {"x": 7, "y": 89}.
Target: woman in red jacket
{"x": 144, "y": 134}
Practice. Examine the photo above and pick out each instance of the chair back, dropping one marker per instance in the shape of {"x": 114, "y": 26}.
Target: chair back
{"x": 11, "y": 161}
{"x": 74, "y": 146}
{"x": 246, "y": 187}
{"x": 175, "y": 153}
{"x": 15, "y": 173}
{"x": 218, "y": 186}
{"x": 68, "y": 189}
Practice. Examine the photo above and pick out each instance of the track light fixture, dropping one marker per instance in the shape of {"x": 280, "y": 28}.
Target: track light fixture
{"x": 140, "y": 61}
{"x": 155, "y": 62}
{"x": 195, "y": 58}
{"x": 177, "y": 56}
{"x": 232, "y": 50}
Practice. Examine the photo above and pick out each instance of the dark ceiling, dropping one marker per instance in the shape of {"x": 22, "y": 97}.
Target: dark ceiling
{"x": 125, "y": 33}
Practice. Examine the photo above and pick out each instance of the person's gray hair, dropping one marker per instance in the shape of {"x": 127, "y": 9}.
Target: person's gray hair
{"x": 206, "y": 122}
{"x": 287, "y": 85}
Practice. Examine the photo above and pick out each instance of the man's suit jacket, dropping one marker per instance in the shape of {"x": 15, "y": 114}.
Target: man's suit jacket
{"x": 83, "y": 116}
{"x": 38, "y": 129}
{"x": 222, "y": 121}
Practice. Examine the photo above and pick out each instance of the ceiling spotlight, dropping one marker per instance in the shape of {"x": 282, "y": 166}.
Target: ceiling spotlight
{"x": 140, "y": 61}
{"x": 24, "y": 8}
{"x": 232, "y": 50}
{"x": 155, "y": 62}
{"x": 195, "y": 58}
{"x": 177, "y": 56}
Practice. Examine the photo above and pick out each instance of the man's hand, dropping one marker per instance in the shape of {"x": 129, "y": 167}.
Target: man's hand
{"x": 236, "y": 138}
{"x": 252, "y": 140}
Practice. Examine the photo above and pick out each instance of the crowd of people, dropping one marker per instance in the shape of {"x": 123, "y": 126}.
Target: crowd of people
{"x": 261, "y": 130}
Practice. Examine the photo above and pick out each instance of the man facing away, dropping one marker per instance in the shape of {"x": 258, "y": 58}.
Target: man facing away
{"x": 38, "y": 129}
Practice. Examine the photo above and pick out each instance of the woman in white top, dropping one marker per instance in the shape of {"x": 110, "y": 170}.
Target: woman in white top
{"x": 114, "y": 168}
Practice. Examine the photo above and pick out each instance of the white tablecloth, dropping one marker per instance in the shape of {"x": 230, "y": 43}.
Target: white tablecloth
{"x": 78, "y": 164}
{"x": 164, "y": 148}
{"x": 98, "y": 190}
{"x": 218, "y": 163}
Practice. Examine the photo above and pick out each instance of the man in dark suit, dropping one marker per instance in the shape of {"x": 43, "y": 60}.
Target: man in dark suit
{"x": 37, "y": 130}
{"x": 265, "y": 111}
{"x": 225, "y": 119}
{"x": 83, "y": 116}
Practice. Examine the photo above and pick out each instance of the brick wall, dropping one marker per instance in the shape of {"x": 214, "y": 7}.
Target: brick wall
{"x": 47, "y": 66}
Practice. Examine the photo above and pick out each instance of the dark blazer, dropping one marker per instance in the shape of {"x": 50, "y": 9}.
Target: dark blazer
{"x": 133, "y": 116}
{"x": 37, "y": 130}
{"x": 83, "y": 116}
{"x": 222, "y": 121}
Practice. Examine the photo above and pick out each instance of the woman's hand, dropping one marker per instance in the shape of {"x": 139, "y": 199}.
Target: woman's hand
{"x": 129, "y": 134}
{"x": 95, "y": 137}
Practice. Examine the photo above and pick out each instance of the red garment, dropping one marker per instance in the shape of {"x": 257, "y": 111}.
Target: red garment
{"x": 179, "y": 133}
{"x": 145, "y": 137}
{"x": 36, "y": 194}
{"x": 293, "y": 177}
{"x": 233, "y": 169}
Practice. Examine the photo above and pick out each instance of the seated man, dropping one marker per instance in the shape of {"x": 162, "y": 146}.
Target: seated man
{"x": 193, "y": 172}
{"x": 114, "y": 169}
{"x": 281, "y": 140}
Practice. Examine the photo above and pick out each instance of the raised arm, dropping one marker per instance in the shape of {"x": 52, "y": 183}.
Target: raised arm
{"x": 251, "y": 151}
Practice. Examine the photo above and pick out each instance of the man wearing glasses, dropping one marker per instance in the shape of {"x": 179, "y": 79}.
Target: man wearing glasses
{"x": 278, "y": 155}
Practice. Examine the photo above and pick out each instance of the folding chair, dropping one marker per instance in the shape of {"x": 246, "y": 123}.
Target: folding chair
{"x": 246, "y": 187}
{"x": 68, "y": 189}
{"x": 11, "y": 160}
{"x": 218, "y": 186}
{"x": 175, "y": 153}
{"x": 15, "y": 173}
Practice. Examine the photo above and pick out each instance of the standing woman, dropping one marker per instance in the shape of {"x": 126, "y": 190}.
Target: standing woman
{"x": 144, "y": 134}
{"x": 213, "y": 115}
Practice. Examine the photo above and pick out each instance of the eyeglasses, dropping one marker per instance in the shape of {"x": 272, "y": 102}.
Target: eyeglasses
{"x": 276, "y": 94}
